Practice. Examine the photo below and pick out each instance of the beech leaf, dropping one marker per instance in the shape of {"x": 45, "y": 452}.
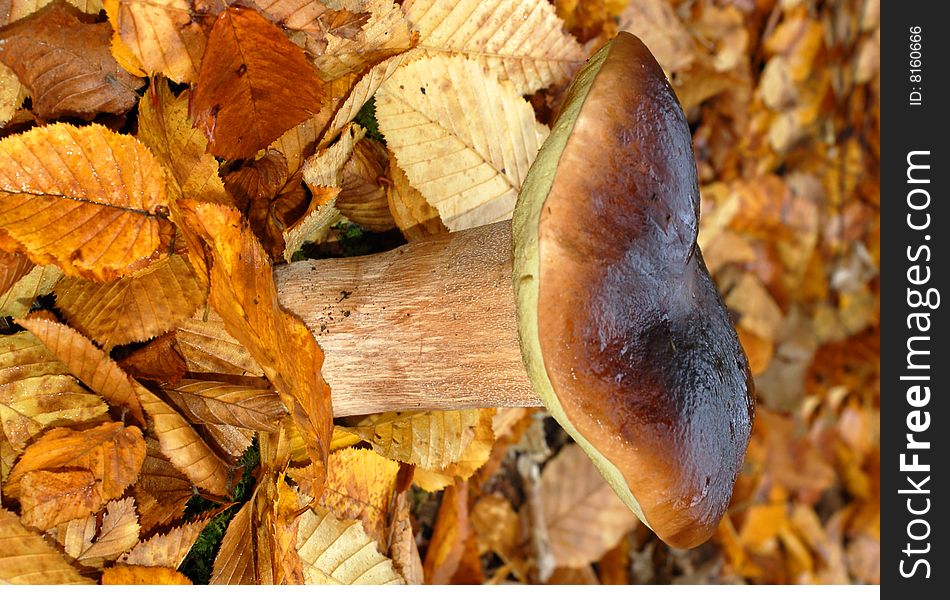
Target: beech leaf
{"x": 162, "y": 35}
{"x": 25, "y": 558}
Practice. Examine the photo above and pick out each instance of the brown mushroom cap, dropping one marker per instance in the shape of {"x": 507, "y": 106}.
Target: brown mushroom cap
{"x": 625, "y": 337}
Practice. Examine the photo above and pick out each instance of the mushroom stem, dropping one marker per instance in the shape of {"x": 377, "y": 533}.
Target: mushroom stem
{"x": 427, "y": 326}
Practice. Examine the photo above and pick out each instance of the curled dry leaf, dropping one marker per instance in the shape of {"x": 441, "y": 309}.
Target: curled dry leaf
{"x": 163, "y": 36}
{"x": 415, "y": 217}
{"x": 584, "y": 517}
{"x": 253, "y": 85}
{"x": 386, "y": 33}
{"x": 136, "y": 575}
{"x": 85, "y": 199}
{"x": 521, "y": 41}
{"x": 63, "y": 57}
{"x": 17, "y": 301}
{"x": 207, "y": 347}
{"x": 244, "y": 294}
{"x": 111, "y": 453}
{"x": 338, "y": 551}
{"x": 362, "y": 198}
{"x": 25, "y": 558}
{"x": 133, "y": 308}
{"x": 225, "y": 404}
{"x": 158, "y": 361}
{"x": 183, "y": 446}
{"x": 464, "y": 139}
{"x": 166, "y": 550}
{"x": 165, "y": 127}
{"x": 360, "y": 485}
{"x": 88, "y": 363}
{"x": 162, "y": 491}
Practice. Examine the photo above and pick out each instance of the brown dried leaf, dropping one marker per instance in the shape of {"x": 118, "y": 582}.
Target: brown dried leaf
{"x": 63, "y": 57}
{"x": 338, "y": 551}
{"x": 402, "y": 546}
{"x": 207, "y": 347}
{"x": 133, "y": 308}
{"x": 112, "y": 453}
{"x": 360, "y": 485}
{"x": 452, "y": 529}
{"x": 183, "y": 446}
{"x": 244, "y": 293}
{"x": 166, "y": 550}
{"x": 13, "y": 266}
{"x": 235, "y": 563}
{"x": 470, "y": 168}
{"x": 162, "y": 35}
{"x": 415, "y": 217}
{"x": 49, "y": 498}
{"x": 165, "y": 127}
{"x": 158, "y": 361}
{"x": 25, "y": 558}
{"x": 162, "y": 491}
{"x": 314, "y": 20}
{"x": 584, "y": 517}
{"x": 136, "y": 575}
{"x": 85, "y": 199}
{"x": 76, "y": 535}
{"x": 521, "y": 41}
{"x": 88, "y": 363}
{"x": 254, "y": 84}
{"x": 386, "y": 34}
{"x": 362, "y": 198}
{"x": 17, "y": 301}
{"x": 495, "y": 525}
{"x": 118, "y": 533}
{"x": 657, "y": 24}
{"x": 224, "y": 404}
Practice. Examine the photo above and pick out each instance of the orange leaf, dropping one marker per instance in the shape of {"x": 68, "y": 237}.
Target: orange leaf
{"x": 89, "y": 364}
{"x": 63, "y": 56}
{"x": 135, "y": 575}
{"x": 244, "y": 294}
{"x": 254, "y": 84}
{"x": 448, "y": 539}
{"x": 13, "y": 266}
{"x": 85, "y": 199}
{"x": 163, "y": 36}
{"x": 49, "y": 498}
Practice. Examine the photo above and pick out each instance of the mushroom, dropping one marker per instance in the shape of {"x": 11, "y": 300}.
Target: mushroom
{"x": 622, "y": 333}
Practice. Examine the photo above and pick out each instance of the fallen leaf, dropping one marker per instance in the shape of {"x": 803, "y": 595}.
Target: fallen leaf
{"x": 25, "y": 558}
{"x": 253, "y": 85}
{"x": 162, "y": 491}
{"x": 165, "y": 550}
{"x": 338, "y": 551}
{"x": 362, "y": 197}
{"x": 119, "y": 532}
{"x": 522, "y": 41}
{"x": 86, "y": 199}
{"x": 133, "y": 308}
{"x": 402, "y": 546}
{"x": 495, "y": 526}
{"x": 207, "y": 347}
{"x": 361, "y": 485}
{"x": 163, "y": 36}
{"x": 17, "y": 301}
{"x": 76, "y": 536}
{"x": 63, "y": 57}
{"x": 470, "y": 168}
{"x": 49, "y": 498}
{"x": 223, "y": 404}
{"x": 452, "y": 529}
{"x": 473, "y": 457}
{"x": 183, "y": 446}
{"x": 314, "y": 20}
{"x": 415, "y": 217}
{"x": 235, "y": 563}
{"x": 88, "y": 363}
{"x": 111, "y": 452}
{"x": 584, "y": 516}
{"x": 431, "y": 440}
{"x": 244, "y": 294}
{"x": 13, "y": 266}
{"x": 136, "y": 575}
{"x": 157, "y": 361}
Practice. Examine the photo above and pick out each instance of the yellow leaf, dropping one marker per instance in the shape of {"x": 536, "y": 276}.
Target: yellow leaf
{"x": 165, "y": 127}
{"x": 183, "y": 446}
{"x": 9, "y": 94}
{"x": 134, "y": 308}
{"x": 207, "y": 347}
{"x": 162, "y": 35}
{"x": 89, "y": 364}
{"x": 335, "y": 551}
{"x": 464, "y": 139}
{"x": 49, "y": 498}
{"x": 452, "y": 529}
{"x": 474, "y": 455}
{"x": 517, "y": 40}
{"x": 17, "y": 301}
{"x": 584, "y": 516}
{"x": 415, "y": 217}
{"x": 224, "y": 404}
{"x": 26, "y": 559}
{"x": 111, "y": 452}
{"x": 118, "y": 533}
{"x": 244, "y": 294}
{"x": 85, "y": 199}
{"x": 136, "y": 575}
{"x": 496, "y": 526}
{"x": 360, "y": 485}
{"x": 431, "y": 440}
{"x": 362, "y": 198}
{"x": 120, "y": 51}
{"x": 166, "y": 550}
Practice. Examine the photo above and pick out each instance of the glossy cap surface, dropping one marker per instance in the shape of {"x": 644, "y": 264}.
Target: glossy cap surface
{"x": 625, "y": 337}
